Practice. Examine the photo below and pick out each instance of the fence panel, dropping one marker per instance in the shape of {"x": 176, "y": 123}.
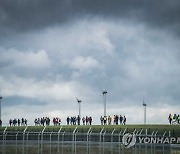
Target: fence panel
{"x": 75, "y": 142}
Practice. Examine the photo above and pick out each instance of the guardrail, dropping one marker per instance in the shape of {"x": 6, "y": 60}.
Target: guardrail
{"x": 102, "y": 142}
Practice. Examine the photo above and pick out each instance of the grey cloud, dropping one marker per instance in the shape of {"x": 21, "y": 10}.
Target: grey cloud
{"x": 37, "y": 14}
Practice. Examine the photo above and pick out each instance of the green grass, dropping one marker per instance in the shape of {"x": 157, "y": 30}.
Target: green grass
{"x": 174, "y": 129}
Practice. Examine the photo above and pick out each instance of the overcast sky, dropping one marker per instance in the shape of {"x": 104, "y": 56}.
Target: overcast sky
{"x": 54, "y": 51}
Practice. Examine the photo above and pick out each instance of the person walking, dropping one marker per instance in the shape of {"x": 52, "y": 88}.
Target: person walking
{"x": 178, "y": 119}
{"x": 105, "y": 120}
{"x": 68, "y": 120}
{"x": 87, "y": 120}
{"x": 90, "y": 120}
{"x": 109, "y": 120}
{"x": 121, "y": 119}
{"x": 0, "y": 123}
{"x": 78, "y": 120}
{"x": 124, "y": 120}
{"x": 170, "y": 119}
{"x": 101, "y": 119}
{"x": 83, "y": 120}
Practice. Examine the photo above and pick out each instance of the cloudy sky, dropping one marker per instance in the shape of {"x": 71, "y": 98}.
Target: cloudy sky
{"x": 54, "y": 51}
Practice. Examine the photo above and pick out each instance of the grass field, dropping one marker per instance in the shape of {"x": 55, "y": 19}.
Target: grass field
{"x": 174, "y": 129}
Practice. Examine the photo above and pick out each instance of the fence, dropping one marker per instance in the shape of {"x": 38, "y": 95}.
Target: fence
{"x": 80, "y": 142}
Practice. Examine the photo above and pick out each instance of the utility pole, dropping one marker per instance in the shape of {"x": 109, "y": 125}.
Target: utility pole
{"x": 104, "y": 100}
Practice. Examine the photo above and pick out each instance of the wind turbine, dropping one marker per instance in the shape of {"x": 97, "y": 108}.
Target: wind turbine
{"x": 79, "y": 103}
{"x": 144, "y": 105}
{"x": 104, "y": 100}
{"x": 0, "y": 102}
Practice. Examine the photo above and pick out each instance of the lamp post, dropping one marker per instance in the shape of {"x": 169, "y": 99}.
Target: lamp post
{"x": 104, "y": 100}
{"x": 144, "y": 105}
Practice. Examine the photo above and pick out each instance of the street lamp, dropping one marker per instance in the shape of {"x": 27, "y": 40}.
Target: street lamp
{"x": 104, "y": 99}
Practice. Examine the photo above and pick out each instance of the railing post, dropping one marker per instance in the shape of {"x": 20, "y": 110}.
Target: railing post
{"x": 27, "y": 143}
{"x": 62, "y": 150}
{"x": 119, "y": 135}
{"x": 50, "y": 140}
{"x": 146, "y": 144}
{"x": 75, "y": 143}
{"x": 16, "y": 141}
{"x": 112, "y": 139}
{"x": 169, "y": 148}
{"x": 123, "y": 135}
{"x": 100, "y": 139}
{"x": 155, "y": 143}
{"x": 39, "y": 142}
{"x": 134, "y": 147}
{"x": 58, "y": 137}
{"x": 4, "y": 141}
{"x": 23, "y": 139}
{"x": 73, "y": 140}
{"x": 140, "y": 134}
{"x": 88, "y": 141}
{"x": 42, "y": 133}
{"x": 136, "y": 143}
{"x": 163, "y": 138}
{"x": 169, "y": 133}
{"x": 151, "y": 142}
{"x": 103, "y": 140}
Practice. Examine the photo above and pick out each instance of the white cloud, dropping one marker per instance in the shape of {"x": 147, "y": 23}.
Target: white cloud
{"x": 83, "y": 63}
{"x": 26, "y": 59}
{"x": 46, "y": 91}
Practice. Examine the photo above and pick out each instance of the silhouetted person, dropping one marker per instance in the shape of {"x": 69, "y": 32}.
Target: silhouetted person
{"x": 83, "y": 119}
{"x": 121, "y": 119}
{"x": 78, "y": 119}
{"x": 170, "y": 119}
{"x": 19, "y": 122}
{"x": 90, "y": 120}
{"x": 0, "y": 122}
{"x": 101, "y": 119}
{"x": 124, "y": 120}
{"x": 67, "y": 120}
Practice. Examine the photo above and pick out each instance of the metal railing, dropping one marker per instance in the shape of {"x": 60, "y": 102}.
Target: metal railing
{"x": 77, "y": 142}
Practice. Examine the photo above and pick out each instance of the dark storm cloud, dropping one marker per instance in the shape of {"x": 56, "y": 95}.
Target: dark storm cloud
{"x": 33, "y": 14}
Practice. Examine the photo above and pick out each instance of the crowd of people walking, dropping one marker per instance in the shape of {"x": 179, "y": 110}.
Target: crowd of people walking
{"x": 42, "y": 121}
{"x": 56, "y": 121}
{"x": 18, "y": 122}
{"x": 107, "y": 120}
{"x": 174, "y": 119}
{"x": 77, "y": 120}
{"x": 86, "y": 120}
